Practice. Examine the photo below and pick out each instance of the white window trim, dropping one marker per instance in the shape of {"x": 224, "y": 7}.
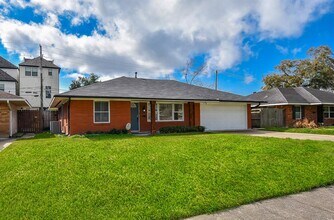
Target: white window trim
{"x": 4, "y": 87}
{"x": 50, "y": 70}
{"x": 173, "y": 110}
{"x": 300, "y": 107}
{"x": 329, "y": 111}
{"x": 100, "y": 112}
{"x": 31, "y": 67}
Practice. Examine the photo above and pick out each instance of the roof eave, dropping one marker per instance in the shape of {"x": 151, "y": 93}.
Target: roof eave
{"x": 188, "y": 99}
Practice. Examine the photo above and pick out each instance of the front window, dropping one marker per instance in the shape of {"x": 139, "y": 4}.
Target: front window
{"x": 101, "y": 112}
{"x": 298, "y": 112}
{"x": 48, "y": 92}
{"x": 50, "y": 72}
{"x": 329, "y": 111}
{"x": 2, "y": 87}
{"x": 170, "y": 112}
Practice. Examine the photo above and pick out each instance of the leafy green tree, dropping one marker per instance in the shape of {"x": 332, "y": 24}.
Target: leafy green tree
{"x": 84, "y": 81}
{"x": 317, "y": 71}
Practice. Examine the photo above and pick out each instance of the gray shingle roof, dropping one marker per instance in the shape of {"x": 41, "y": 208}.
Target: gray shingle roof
{"x": 5, "y": 95}
{"x": 138, "y": 88}
{"x": 5, "y": 64}
{"x": 6, "y": 77}
{"x": 298, "y": 95}
{"x": 36, "y": 61}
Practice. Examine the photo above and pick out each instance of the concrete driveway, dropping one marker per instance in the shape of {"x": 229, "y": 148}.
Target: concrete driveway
{"x": 276, "y": 134}
{"x": 316, "y": 204}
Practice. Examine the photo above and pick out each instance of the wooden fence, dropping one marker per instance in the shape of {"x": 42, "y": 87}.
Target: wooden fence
{"x": 31, "y": 121}
{"x": 268, "y": 117}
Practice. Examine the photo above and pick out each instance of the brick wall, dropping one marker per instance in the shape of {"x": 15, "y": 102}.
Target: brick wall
{"x": 4, "y": 120}
{"x": 146, "y": 126}
{"x": 310, "y": 112}
{"x": 82, "y": 119}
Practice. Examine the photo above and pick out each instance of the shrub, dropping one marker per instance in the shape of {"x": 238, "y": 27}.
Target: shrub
{"x": 181, "y": 129}
{"x": 112, "y": 131}
{"x": 305, "y": 123}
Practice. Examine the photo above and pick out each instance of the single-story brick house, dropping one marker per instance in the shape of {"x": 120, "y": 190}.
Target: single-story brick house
{"x": 299, "y": 103}
{"x": 149, "y": 104}
{"x": 9, "y": 104}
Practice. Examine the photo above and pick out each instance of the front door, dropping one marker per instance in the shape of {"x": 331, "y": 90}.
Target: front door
{"x": 320, "y": 112}
{"x": 134, "y": 116}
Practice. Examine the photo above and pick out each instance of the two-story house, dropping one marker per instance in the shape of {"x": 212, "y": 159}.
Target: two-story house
{"x": 30, "y": 81}
{"x": 9, "y": 76}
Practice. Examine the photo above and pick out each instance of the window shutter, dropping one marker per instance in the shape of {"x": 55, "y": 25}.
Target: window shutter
{"x": 293, "y": 113}
{"x": 303, "y": 111}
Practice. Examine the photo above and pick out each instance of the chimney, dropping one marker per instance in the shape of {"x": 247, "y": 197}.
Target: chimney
{"x": 135, "y": 74}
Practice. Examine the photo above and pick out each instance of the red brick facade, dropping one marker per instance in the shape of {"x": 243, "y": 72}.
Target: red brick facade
{"x": 310, "y": 112}
{"x": 77, "y": 117}
{"x": 4, "y": 120}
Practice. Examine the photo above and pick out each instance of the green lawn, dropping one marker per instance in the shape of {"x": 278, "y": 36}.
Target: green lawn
{"x": 166, "y": 176}
{"x": 321, "y": 130}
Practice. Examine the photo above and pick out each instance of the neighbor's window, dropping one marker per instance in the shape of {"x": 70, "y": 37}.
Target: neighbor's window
{"x": 50, "y": 72}
{"x": 170, "y": 112}
{"x": 34, "y": 71}
{"x": 2, "y": 87}
{"x": 329, "y": 111}
{"x": 48, "y": 92}
{"x": 28, "y": 71}
{"x": 101, "y": 112}
{"x": 31, "y": 71}
{"x": 298, "y": 112}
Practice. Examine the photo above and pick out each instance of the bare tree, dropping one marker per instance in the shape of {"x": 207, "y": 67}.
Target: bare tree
{"x": 191, "y": 72}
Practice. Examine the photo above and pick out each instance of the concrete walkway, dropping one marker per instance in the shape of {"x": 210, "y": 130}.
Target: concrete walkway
{"x": 5, "y": 142}
{"x": 315, "y": 204}
{"x": 276, "y": 134}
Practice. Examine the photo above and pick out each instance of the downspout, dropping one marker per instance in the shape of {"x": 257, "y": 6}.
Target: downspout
{"x": 10, "y": 119}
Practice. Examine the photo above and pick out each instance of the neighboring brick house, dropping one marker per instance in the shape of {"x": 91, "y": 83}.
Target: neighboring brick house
{"x": 149, "y": 105}
{"x": 299, "y": 103}
{"x": 9, "y": 104}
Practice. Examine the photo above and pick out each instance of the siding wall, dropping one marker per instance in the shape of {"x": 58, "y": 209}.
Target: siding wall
{"x": 10, "y": 87}
{"x": 30, "y": 86}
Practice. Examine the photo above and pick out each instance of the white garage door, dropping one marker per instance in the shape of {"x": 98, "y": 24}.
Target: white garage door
{"x": 224, "y": 116}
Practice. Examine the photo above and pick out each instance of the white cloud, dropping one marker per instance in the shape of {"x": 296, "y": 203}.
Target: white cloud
{"x": 154, "y": 38}
{"x": 248, "y": 79}
{"x": 282, "y": 50}
{"x": 74, "y": 75}
{"x": 296, "y": 50}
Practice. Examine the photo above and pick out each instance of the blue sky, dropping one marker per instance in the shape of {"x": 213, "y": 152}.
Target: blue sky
{"x": 243, "y": 40}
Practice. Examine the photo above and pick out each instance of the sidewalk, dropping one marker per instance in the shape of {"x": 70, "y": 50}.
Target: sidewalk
{"x": 276, "y": 134}
{"x": 315, "y": 204}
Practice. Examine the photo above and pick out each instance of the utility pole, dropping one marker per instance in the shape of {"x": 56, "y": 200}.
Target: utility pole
{"x": 216, "y": 84}
{"x": 41, "y": 72}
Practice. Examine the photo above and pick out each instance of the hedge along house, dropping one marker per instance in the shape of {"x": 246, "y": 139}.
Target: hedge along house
{"x": 299, "y": 103}
{"x": 9, "y": 104}
{"x": 149, "y": 105}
